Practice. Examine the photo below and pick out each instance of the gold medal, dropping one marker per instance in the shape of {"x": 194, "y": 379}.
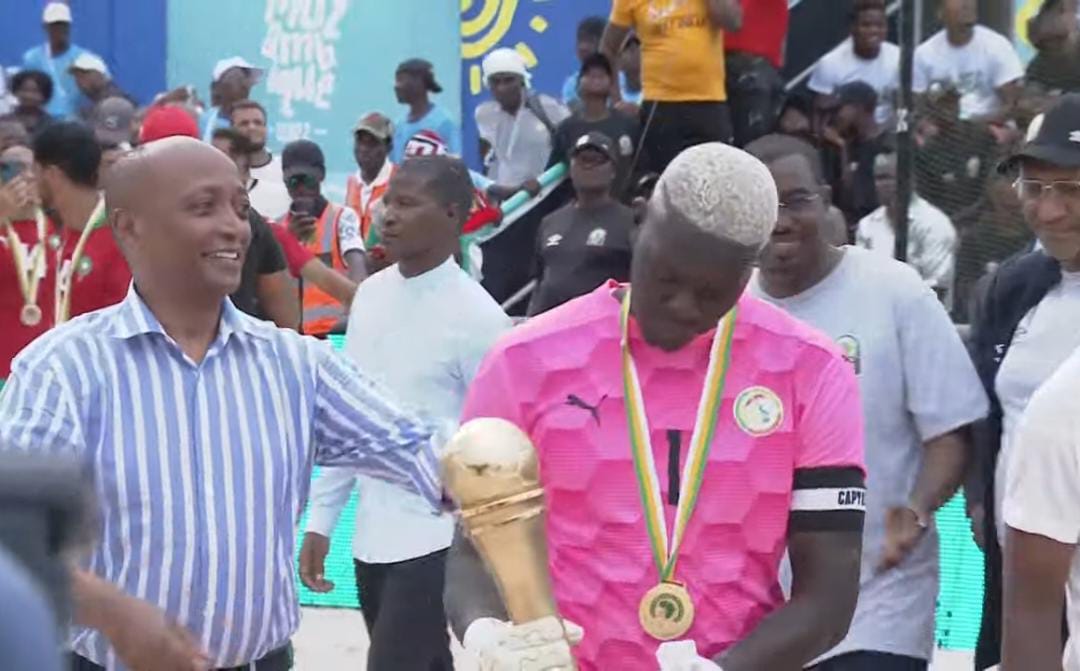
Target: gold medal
{"x": 30, "y": 315}
{"x": 666, "y": 611}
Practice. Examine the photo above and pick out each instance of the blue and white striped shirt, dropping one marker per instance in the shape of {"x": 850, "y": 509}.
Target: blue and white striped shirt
{"x": 201, "y": 470}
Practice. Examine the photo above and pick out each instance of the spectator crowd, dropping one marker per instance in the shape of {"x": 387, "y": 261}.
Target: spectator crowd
{"x": 993, "y": 242}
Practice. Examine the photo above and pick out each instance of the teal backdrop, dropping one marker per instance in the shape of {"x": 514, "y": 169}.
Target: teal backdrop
{"x": 327, "y": 61}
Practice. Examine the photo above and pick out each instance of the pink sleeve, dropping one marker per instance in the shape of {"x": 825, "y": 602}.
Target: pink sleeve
{"x": 829, "y": 483}
{"x": 492, "y": 393}
{"x": 830, "y": 417}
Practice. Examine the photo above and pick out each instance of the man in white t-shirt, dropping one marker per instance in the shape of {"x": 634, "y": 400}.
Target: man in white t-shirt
{"x": 920, "y": 392}
{"x": 517, "y": 126}
{"x": 931, "y": 248}
{"x": 979, "y": 62}
{"x": 1042, "y": 511}
{"x": 866, "y": 57}
{"x": 421, "y": 327}
{"x": 267, "y": 190}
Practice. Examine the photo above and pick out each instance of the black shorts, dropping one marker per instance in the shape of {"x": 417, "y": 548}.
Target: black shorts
{"x": 670, "y": 127}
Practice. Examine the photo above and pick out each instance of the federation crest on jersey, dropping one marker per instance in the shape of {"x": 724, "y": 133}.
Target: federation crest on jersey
{"x": 758, "y": 411}
{"x": 597, "y": 238}
{"x": 852, "y": 350}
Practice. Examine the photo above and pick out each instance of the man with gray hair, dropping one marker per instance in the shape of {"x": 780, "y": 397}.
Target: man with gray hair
{"x": 680, "y": 402}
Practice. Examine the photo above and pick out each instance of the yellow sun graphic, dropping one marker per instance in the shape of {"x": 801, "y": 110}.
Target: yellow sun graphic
{"x": 483, "y": 24}
{"x": 1023, "y": 14}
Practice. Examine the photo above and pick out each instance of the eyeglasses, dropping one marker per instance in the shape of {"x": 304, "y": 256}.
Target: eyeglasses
{"x": 1032, "y": 189}
{"x": 798, "y": 203}
{"x": 296, "y": 181}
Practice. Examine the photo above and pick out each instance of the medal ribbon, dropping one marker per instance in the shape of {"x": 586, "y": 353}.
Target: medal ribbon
{"x": 65, "y": 273}
{"x": 664, "y": 554}
{"x": 29, "y": 269}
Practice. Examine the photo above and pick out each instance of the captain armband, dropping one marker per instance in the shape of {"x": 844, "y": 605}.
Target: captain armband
{"x": 828, "y": 499}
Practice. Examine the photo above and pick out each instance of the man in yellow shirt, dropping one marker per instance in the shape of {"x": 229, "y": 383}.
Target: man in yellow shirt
{"x": 682, "y": 52}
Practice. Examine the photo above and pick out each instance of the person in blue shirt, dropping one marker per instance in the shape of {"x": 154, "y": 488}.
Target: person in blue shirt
{"x": 233, "y": 80}
{"x": 589, "y": 32}
{"x": 413, "y": 82}
{"x": 55, "y": 58}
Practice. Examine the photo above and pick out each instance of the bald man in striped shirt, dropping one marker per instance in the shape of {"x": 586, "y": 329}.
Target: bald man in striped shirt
{"x": 200, "y": 426}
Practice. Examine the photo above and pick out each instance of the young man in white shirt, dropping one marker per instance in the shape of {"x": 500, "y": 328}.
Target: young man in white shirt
{"x": 266, "y": 187}
{"x": 982, "y": 64}
{"x": 1042, "y": 511}
{"x": 920, "y": 392}
{"x": 422, "y": 327}
{"x": 866, "y": 57}
{"x": 931, "y": 248}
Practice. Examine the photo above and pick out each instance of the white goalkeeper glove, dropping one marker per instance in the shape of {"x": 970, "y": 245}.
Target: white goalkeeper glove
{"x": 542, "y": 645}
{"x": 683, "y": 656}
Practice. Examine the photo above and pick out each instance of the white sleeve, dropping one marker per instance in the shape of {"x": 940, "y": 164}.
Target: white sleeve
{"x": 920, "y": 70}
{"x": 822, "y": 80}
{"x": 329, "y": 494}
{"x": 937, "y": 249}
{"x": 1005, "y": 64}
{"x": 555, "y": 110}
{"x": 942, "y": 391}
{"x": 1042, "y": 490}
{"x": 349, "y": 239}
{"x": 486, "y": 118}
{"x": 486, "y": 329}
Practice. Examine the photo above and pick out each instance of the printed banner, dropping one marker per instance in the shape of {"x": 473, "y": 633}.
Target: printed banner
{"x": 327, "y": 62}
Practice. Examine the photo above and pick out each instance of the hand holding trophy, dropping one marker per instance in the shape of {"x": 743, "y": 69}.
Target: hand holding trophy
{"x": 491, "y": 470}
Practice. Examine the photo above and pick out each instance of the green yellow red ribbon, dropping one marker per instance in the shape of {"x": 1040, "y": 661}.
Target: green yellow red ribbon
{"x": 664, "y": 554}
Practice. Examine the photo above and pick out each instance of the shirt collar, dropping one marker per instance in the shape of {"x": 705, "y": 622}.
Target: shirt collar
{"x": 382, "y": 178}
{"x": 135, "y": 318}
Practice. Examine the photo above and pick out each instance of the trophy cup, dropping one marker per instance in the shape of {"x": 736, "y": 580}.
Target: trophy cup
{"x": 491, "y": 470}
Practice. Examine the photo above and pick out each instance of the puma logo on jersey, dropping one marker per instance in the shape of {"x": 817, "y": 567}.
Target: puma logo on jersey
{"x": 575, "y": 401}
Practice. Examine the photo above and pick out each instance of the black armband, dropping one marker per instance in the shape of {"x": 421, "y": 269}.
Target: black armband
{"x": 828, "y": 499}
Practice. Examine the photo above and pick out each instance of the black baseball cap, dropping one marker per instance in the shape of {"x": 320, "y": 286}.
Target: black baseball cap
{"x": 594, "y": 140}
{"x": 301, "y": 156}
{"x": 1053, "y": 137}
{"x": 423, "y": 69}
{"x": 597, "y": 60}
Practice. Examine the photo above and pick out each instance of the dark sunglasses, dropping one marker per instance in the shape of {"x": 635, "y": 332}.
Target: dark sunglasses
{"x": 296, "y": 181}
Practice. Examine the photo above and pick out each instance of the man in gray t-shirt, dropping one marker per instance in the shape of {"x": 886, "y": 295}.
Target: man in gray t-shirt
{"x": 919, "y": 390}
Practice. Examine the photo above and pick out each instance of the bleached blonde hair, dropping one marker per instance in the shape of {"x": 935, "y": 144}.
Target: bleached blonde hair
{"x": 723, "y": 191}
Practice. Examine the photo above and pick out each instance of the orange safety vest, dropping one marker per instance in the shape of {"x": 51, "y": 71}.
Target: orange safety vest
{"x": 352, "y": 199}
{"x": 321, "y": 311}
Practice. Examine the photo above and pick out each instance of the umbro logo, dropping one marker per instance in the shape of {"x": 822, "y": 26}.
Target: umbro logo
{"x": 1074, "y": 136}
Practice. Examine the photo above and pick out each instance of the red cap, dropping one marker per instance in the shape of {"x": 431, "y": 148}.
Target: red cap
{"x": 168, "y": 121}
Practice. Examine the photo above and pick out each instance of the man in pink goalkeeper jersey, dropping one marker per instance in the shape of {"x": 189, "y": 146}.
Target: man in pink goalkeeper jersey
{"x": 620, "y": 391}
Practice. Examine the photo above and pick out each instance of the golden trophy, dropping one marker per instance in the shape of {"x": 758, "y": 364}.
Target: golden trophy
{"x": 491, "y": 470}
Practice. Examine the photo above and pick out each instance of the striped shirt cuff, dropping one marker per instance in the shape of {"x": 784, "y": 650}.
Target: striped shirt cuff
{"x": 828, "y": 499}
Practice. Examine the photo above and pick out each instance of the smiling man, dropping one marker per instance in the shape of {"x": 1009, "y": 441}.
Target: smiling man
{"x": 743, "y": 424}
{"x": 199, "y": 426}
{"x": 919, "y": 391}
